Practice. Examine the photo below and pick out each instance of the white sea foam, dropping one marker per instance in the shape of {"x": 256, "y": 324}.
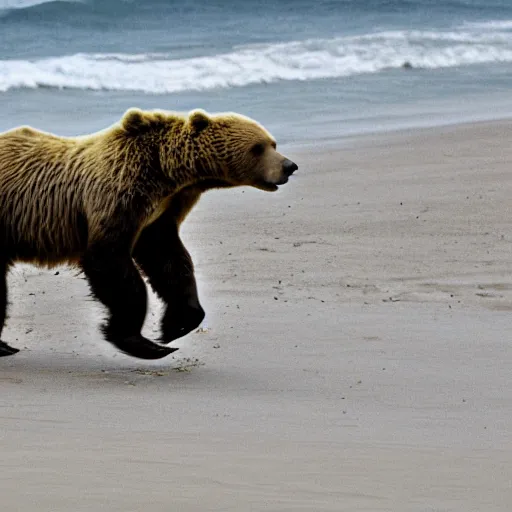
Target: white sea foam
{"x": 490, "y": 25}
{"x": 21, "y": 4}
{"x": 262, "y": 63}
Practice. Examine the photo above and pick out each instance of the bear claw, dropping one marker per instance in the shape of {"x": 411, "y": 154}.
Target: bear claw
{"x": 6, "y": 350}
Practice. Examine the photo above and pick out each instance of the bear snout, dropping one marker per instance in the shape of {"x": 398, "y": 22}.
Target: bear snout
{"x": 289, "y": 167}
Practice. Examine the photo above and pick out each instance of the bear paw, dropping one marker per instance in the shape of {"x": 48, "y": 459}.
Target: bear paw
{"x": 6, "y": 350}
{"x": 142, "y": 348}
{"x": 179, "y": 322}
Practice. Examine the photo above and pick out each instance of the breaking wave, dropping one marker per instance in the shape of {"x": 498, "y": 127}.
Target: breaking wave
{"x": 30, "y": 4}
{"x": 157, "y": 73}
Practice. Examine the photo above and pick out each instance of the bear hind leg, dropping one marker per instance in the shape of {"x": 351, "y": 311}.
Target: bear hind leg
{"x": 5, "y": 350}
{"x": 116, "y": 282}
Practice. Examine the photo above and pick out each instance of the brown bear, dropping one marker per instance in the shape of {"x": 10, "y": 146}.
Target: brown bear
{"x": 111, "y": 203}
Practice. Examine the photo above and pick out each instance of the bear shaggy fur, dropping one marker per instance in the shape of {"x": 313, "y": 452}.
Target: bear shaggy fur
{"x": 112, "y": 203}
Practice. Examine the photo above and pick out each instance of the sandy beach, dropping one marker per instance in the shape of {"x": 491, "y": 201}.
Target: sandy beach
{"x": 356, "y": 354}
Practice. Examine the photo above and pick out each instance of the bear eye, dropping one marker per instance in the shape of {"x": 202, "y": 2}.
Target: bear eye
{"x": 258, "y": 149}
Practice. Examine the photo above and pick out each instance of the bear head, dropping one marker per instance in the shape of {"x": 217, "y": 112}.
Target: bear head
{"x": 240, "y": 150}
{"x": 228, "y": 149}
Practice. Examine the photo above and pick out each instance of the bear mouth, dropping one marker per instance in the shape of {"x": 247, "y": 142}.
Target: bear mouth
{"x": 283, "y": 180}
{"x": 270, "y": 186}
{"x": 267, "y": 186}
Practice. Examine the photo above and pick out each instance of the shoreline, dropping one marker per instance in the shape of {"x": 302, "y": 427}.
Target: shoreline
{"x": 90, "y": 112}
{"x": 368, "y": 136}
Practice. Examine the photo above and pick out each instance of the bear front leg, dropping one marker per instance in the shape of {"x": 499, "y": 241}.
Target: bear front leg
{"x": 165, "y": 261}
{"x": 116, "y": 282}
{"x": 5, "y": 350}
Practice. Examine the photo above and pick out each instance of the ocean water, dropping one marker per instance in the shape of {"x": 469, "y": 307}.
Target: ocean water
{"x": 308, "y": 70}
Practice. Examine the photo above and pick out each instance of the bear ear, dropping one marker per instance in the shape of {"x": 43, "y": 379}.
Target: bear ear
{"x": 199, "y": 121}
{"x": 135, "y": 121}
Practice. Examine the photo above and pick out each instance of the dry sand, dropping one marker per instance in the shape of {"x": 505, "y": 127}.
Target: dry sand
{"x": 358, "y": 354}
